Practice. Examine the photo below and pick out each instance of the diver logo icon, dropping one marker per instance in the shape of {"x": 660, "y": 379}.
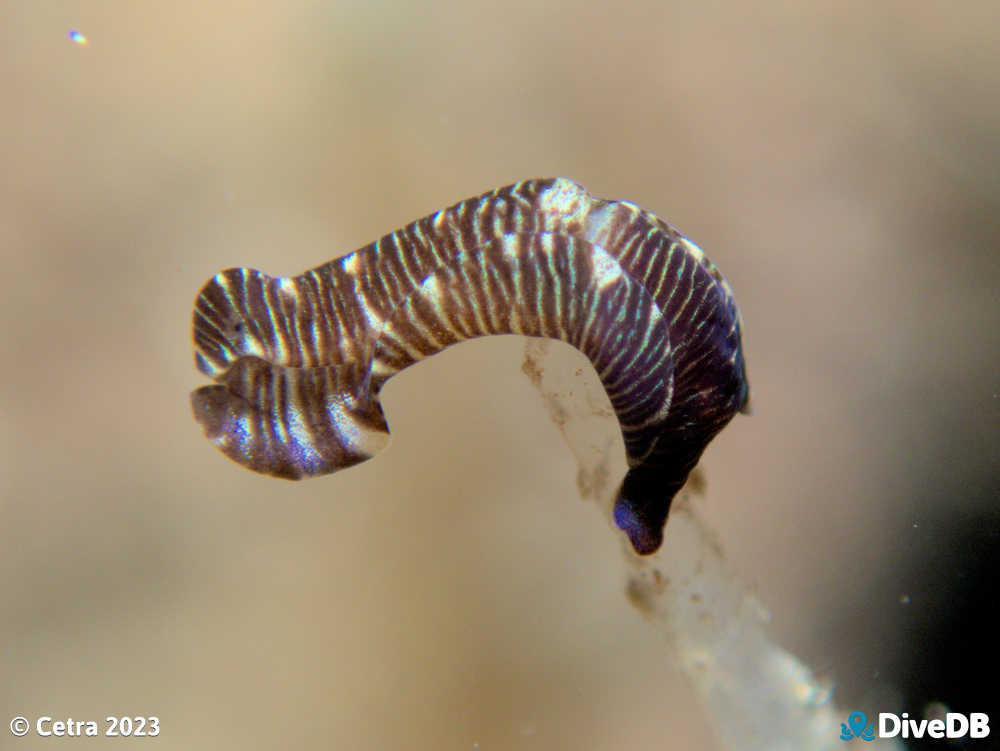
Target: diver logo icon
{"x": 857, "y": 726}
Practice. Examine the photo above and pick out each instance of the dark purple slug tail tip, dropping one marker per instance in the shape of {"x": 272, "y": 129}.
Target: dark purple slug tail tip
{"x": 645, "y": 534}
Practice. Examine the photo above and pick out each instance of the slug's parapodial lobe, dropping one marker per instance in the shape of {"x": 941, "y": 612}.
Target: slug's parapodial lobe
{"x": 299, "y": 362}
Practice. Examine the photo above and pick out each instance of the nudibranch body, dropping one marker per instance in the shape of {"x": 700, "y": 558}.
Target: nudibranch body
{"x": 298, "y": 362}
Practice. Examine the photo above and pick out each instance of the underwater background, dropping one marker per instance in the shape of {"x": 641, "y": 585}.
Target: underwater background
{"x": 840, "y": 162}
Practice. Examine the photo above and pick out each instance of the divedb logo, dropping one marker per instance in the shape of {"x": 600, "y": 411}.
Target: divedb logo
{"x": 954, "y": 725}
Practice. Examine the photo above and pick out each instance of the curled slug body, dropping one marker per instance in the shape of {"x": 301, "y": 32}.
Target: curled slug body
{"x": 298, "y": 362}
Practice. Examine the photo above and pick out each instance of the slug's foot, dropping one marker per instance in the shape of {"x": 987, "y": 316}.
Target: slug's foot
{"x": 291, "y": 422}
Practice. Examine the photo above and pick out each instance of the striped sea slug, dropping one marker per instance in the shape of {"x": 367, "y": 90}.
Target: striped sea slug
{"x": 298, "y": 362}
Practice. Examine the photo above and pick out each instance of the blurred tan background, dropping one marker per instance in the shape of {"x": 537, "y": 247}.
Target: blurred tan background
{"x": 839, "y": 161}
